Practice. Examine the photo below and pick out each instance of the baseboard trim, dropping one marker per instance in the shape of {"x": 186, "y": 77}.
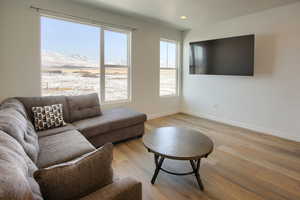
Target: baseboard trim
{"x": 158, "y": 115}
{"x": 255, "y": 128}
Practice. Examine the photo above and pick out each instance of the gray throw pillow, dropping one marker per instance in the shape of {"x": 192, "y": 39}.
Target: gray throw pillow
{"x": 47, "y": 117}
{"x": 77, "y": 178}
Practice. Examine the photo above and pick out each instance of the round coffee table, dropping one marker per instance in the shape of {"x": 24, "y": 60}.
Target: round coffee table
{"x": 178, "y": 144}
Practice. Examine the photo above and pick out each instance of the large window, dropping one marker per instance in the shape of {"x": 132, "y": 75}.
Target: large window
{"x": 168, "y": 68}
{"x": 81, "y": 59}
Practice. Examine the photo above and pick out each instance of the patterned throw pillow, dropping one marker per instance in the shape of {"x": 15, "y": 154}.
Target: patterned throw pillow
{"x": 48, "y": 117}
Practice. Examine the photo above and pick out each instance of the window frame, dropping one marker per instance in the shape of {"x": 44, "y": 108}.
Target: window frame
{"x": 102, "y": 65}
{"x": 177, "y": 68}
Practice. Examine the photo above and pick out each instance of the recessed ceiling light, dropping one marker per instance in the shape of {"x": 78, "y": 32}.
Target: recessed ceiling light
{"x": 183, "y": 17}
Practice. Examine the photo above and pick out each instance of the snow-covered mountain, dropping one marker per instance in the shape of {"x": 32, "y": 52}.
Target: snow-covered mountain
{"x": 55, "y": 59}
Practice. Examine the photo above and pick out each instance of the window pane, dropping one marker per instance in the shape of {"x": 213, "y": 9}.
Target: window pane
{"x": 70, "y": 58}
{"x": 171, "y": 55}
{"x": 163, "y": 54}
{"x": 116, "y": 83}
{"x": 167, "y": 82}
{"x": 168, "y": 68}
{"x": 115, "y": 48}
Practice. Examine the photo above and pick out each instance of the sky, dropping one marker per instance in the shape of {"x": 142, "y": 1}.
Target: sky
{"x": 167, "y": 54}
{"x": 68, "y": 38}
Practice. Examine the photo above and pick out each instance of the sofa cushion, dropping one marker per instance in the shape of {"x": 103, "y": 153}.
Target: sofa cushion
{"x": 16, "y": 125}
{"x": 62, "y": 147}
{"x": 83, "y": 106}
{"x": 110, "y": 120}
{"x": 79, "y": 177}
{"x": 16, "y": 171}
{"x": 30, "y": 102}
{"x": 48, "y": 117}
{"x": 54, "y": 131}
{"x": 15, "y": 104}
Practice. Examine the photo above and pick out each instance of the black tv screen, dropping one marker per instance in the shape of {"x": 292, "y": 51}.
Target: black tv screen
{"x": 228, "y": 56}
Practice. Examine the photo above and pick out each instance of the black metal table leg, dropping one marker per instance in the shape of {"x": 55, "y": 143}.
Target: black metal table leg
{"x": 158, "y": 164}
{"x": 196, "y": 171}
{"x": 158, "y": 160}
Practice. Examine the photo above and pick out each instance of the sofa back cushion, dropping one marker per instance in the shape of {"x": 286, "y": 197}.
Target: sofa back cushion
{"x": 15, "y": 104}
{"x": 83, "y": 106}
{"x": 30, "y": 102}
{"x": 21, "y": 129}
{"x": 16, "y": 171}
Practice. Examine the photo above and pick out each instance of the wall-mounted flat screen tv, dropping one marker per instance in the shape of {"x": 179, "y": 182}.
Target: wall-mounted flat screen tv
{"x": 228, "y": 56}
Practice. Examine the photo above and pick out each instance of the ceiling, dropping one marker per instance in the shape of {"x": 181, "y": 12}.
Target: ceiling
{"x": 199, "y": 12}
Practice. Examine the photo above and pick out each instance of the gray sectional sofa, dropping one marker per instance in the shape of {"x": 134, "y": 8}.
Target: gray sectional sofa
{"x": 23, "y": 150}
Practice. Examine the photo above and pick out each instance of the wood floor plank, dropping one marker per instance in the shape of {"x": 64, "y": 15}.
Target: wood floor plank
{"x": 249, "y": 174}
{"x": 244, "y": 165}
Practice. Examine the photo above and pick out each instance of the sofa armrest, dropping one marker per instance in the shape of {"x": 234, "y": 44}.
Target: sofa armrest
{"x": 123, "y": 189}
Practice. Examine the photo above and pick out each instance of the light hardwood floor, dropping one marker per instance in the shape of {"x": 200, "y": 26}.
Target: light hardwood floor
{"x": 244, "y": 165}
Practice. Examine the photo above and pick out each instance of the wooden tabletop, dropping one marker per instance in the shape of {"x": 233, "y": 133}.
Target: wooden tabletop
{"x": 178, "y": 143}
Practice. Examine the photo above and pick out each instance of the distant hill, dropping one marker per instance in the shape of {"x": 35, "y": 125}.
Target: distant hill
{"x": 58, "y": 60}
{"x": 75, "y": 67}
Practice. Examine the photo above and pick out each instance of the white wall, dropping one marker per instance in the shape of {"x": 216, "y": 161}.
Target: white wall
{"x": 20, "y": 52}
{"x": 268, "y": 102}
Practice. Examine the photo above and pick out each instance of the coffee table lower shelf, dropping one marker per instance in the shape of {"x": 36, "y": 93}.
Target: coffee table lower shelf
{"x": 195, "y": 164}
